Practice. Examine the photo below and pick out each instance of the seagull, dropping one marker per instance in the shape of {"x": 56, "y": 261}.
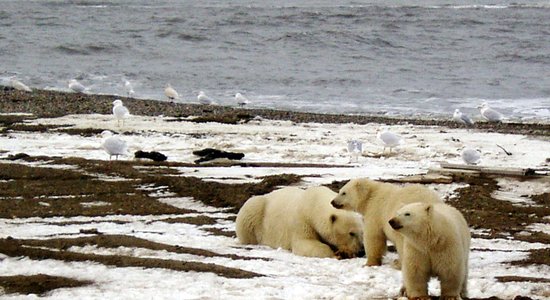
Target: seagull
{"x": 203, "y": 99}
{"x": 459, "y": 117}
{"x": 113, "y": 145}
{"x": 389, "y": 139}
{"x": 241, "y": 100}
{"x": 120, "y": 111}
{"x": 129, "y": 88}
{"x": 471, "y": 156}
{"x": 355, "y": 148}
{"x": 489, "y": 114}
{"x": 171, "y": 93}
{"x": 20, "y": 86}
{"x": 76, "y": 86}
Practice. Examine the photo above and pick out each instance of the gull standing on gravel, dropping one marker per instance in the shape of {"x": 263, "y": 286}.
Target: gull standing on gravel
{"x": 129, "y": 88}
{"x": 471, "y": 156}
{"x": 113, "y": 145}
{"x": 355, "y": 148}
{"x": 389, "y": 139}
{"x": 171, "y": 93}
{"x": 489, "y": 114}
{"x": 20, "y": 86}
{"x": 241, "y": 100}
{"x": 203, "y": 99}
{"x": 76, "y": 86}
{"x": 120, "y": 111}
{"x": 459, "y": 117}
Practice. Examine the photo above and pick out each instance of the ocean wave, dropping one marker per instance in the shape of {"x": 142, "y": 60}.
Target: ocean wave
{"x": 514, "y": 57}
{"x": 81, "y": 3}
{"x": 492, "y": 6}
{"x": 191, "y": 37}
{"x": 89, "y": 49}
{"x": 184, "y": 36}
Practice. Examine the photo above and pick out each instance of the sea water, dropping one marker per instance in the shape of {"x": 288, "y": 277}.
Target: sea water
{"x": 413, "y": 58}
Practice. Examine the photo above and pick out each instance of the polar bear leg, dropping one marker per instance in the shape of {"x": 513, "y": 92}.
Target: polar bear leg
{"x": 464, "y": 291}
{"x": 313, "y": 248}
{"x": 416, "y": 272}
{"x": 250, "y": 219}
{"x": 375, "y": 246}
{"x": 451, "y": 286}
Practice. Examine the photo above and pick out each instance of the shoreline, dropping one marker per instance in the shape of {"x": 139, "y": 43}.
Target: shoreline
{"x": 47, "y": 104}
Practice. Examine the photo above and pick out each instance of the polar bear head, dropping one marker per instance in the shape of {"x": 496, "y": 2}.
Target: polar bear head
{"x": 353, "y": 194}
{"x": 346, "y": 234}
{"x": 412, "y": 219}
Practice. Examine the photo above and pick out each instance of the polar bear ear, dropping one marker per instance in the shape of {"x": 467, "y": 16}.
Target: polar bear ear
{"x": 429, "y": 209}
{"x": 332, "y": 218}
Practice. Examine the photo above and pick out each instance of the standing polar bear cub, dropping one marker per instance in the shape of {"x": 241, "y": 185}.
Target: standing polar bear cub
{"x": 436, "y": 243}
{"x": 302, "y": 221}
{"x": 378, "y": 202}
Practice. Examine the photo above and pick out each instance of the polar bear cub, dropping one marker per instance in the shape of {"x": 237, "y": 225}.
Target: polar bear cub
{"x": 378, "y": 202}
{"x": 436, "y": 244}
{"x": 302, "y": 221}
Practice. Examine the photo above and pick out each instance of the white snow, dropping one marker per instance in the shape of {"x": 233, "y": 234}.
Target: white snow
{"x": 287, "y": 276}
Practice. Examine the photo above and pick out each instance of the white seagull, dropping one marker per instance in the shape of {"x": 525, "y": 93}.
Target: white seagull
{"x": 203, "y": 99}
{"x": 241, "y": 100}
{"x": 20, "y": 86}
{"x": 459, "y": 117}
{"x": 389, "y": 139}
{"x": 355, "y": 148}
{"x": 113, "y": 145}
{"x": 120, "y": 111}
{"x": 129, "y": 88}
{"x": 76, "y": 86}
{"x": 489, "y": 114}
{"x": 471, "y": 156}
{"x": 171, "y": 93}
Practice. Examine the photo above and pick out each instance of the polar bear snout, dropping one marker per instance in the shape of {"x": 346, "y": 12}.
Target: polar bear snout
{"x": 336, "y": 204}
{"x": 395, "y": 224}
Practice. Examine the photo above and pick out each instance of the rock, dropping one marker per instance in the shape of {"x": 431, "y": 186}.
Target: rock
{"x": 153, "y": 155}
{"x": 210, "y": 154}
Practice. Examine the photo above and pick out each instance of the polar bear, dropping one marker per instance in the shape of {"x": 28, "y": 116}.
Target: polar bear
{"x": 302, "y": 221}
{"x": 378, "y": 202}
{"x": 436, "y": 242}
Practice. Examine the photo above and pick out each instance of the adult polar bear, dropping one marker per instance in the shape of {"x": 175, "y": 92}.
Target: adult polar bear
{"x": 302, "y": 221}
{"x": 378, "y": 202}
{"x": 436, "y": 243}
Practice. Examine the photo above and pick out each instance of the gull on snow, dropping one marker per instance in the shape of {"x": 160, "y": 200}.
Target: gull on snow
{"x": 471, "y": 156}
{"x": 120, "y": 111}
{"x": 355, "y": 148}
{"x": 388, "y": 139}
{"x": 113, "y": 145}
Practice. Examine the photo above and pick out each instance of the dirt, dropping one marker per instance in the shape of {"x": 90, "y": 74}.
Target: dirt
{"x": 38, "y": 284}
{"x": 12, "y": 247}
{"x": 25, "y": 190}
{"x": 32, "y": 191}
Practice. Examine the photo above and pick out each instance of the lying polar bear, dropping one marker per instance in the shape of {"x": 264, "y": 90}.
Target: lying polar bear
{"x": 302, "y": 221}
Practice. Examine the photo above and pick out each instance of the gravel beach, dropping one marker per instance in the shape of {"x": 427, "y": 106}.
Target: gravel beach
{"x": 43, "y": 103}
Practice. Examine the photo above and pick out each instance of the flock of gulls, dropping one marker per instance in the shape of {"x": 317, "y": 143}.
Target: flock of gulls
{"x": 115, "y": 146}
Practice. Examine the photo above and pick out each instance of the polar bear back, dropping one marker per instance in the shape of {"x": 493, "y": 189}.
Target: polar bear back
{"x": 282, "y": 209}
